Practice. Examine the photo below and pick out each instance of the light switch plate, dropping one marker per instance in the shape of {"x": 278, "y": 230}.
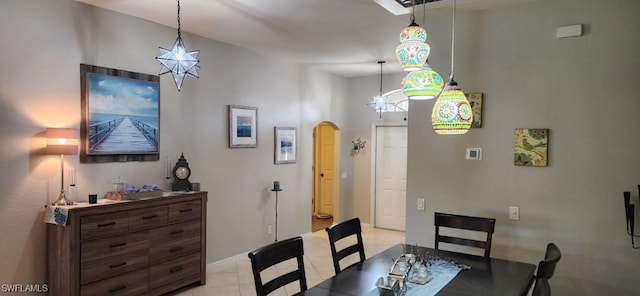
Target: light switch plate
{"x": 420, "y": 204}
{"x": 514, "y": 213}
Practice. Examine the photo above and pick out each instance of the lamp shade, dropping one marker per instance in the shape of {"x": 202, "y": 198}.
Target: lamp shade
{"x": 62, "y": 141}
{"x": 413, "y": 52}
{"x": 452, "y": 112}
{"x": 423, "y": 84}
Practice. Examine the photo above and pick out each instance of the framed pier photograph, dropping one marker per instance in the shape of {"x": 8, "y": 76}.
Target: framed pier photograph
{"x": 120, "y": 115}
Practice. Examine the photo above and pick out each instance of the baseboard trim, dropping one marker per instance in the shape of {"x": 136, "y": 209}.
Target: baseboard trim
{"x": 211, "y": 266}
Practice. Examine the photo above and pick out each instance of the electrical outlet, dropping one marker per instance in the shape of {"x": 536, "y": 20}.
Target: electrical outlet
{"x": 269, "y": 229}
{"x": 514, "y": 213}
{"x": 420, "y": 204}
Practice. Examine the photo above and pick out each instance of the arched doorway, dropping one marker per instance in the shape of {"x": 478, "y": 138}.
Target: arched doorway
{"x": 326, "y": 174}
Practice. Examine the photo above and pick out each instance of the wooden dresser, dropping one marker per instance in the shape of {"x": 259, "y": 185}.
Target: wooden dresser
{"x": 145, "y": 247}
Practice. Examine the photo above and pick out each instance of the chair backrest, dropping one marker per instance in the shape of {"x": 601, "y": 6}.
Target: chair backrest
{"x": 468, "y": 223}
{"x": 341, "y": 230}
{"x": 275, "y": 253}
{"x": 541, "y": 288}
{"x": 547, "y": 267}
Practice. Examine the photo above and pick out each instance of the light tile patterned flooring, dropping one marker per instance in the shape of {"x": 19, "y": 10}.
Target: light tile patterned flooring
{"x": 234, "y": 277}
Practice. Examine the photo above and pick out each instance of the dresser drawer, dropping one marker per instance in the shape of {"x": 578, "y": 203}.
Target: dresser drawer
{"x": 113, "y": 246}
{"x": 147, "y": 217}
{"x": 96, "y": 270}
{"x": 174, "y": 270}
{"x": 133, "y": 283}
{"x": 103, "y": 224}
{"x": 174, "y": 249}
{"x": 175, "y": 232}
{"x": 185, "y": 210}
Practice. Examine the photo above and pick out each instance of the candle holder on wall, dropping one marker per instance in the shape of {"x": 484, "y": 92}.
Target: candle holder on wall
{"x": 630, "y": 214}
{"x": 358, "y": 145}
{"x": 276, "y": 188}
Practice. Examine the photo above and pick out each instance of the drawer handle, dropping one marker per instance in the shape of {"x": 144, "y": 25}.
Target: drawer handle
{"x": 177, "y": 232}
{"x": 117, "y": 245}
{"x": 149, "y": 217}
{"x": 106, "y": 224}
{"x": 175, "y": 269}
{"x": 118, "y": 264}
{"x": 176, "y": 249}
{"x": 185, "y": 210}
{"x": 118, "y": 288}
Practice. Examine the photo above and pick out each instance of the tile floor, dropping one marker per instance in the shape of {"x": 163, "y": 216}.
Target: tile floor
{"x": 234, "y": 277}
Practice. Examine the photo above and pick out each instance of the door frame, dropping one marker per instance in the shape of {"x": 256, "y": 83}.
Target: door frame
{"x": 374, "y": 141}
{"x": 337, "y": 169}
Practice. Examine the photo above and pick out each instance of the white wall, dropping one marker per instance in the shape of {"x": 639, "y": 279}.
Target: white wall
{"x": 583, "y": 90}
{"x": 43, "y": 43}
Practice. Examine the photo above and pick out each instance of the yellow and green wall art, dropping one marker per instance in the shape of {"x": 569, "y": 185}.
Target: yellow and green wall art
{"x": 531, "y": 147}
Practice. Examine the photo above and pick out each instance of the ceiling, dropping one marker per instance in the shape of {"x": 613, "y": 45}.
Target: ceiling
{"x": 345, "y": 37}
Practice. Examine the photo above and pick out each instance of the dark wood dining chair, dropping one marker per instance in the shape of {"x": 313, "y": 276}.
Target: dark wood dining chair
{"x": 342, "y": 230}
{"x": 546, "y": 269}
{"x": 273, "y": 254}
{"x": 541, "y": 288}
{"x": 467, "y": 223}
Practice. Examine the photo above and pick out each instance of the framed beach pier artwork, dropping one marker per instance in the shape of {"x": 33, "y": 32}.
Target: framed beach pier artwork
{"x": 120, "y": 115}
{"x": 243, "y": 126}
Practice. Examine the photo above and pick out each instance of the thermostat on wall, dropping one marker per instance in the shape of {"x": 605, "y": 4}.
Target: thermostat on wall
{"x": 474, "y": 153}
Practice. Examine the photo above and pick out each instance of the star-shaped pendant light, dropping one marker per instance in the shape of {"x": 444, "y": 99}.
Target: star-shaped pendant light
{"x": 178, "y": 60}
{"x": 380, "y": 103}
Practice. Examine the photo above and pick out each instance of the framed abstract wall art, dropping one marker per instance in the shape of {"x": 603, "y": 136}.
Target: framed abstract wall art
{"x": 243, "y": 126}
{"x": 531, "y": 147}
{"x": 475, "y": 100}
{"x": 285, "y": 145}
{"x": 120, "y": 115}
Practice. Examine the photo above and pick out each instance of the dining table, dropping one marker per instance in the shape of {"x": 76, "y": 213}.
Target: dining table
{"x": 481, "y": 276}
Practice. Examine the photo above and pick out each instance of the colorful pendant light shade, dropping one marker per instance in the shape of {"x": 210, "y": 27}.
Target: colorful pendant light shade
{"x": 452, "y": 112}
{"x": 413, "y": 52}
{"x": 423, "y": 84}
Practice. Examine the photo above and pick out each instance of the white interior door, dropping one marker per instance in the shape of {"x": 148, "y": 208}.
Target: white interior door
{"x": 391, "y": 177}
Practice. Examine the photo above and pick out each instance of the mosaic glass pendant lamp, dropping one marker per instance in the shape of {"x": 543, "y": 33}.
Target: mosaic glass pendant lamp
{"x": 452, "y": 112}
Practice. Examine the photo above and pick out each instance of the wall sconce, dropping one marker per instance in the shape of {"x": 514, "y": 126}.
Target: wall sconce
{"x": 358, "y": 145}
{"x": 62, "y": 141}
{"x": 630, "y": 213}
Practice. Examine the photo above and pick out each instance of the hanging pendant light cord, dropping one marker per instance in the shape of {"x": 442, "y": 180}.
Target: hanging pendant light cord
{"x": 453, "y": 38}
{"x": 381, "y": 62}
{"x": 424, "y": 14}
{"x": 413, "y": 14}
{"x": 180, "y": 37}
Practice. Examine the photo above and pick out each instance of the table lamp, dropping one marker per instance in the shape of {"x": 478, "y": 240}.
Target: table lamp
{"x": 62, "y": 141}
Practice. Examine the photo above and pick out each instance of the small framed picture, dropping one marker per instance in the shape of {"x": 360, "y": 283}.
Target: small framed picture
{"x": 475, "y": 100}
{"x": 530, "y": 147}
{"x": 243, "y": 126}
{"x": 285, "y": 145}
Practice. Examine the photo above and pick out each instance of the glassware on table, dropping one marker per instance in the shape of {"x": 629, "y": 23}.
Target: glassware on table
{"x": 73, "y": 188}
{"x": 119, "y": 185}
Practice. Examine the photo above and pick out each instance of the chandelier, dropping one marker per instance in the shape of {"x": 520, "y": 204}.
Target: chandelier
{"x": 177, "y": 60}
{"x": 452, "y": 112}
{"x": 380, "y": 102}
